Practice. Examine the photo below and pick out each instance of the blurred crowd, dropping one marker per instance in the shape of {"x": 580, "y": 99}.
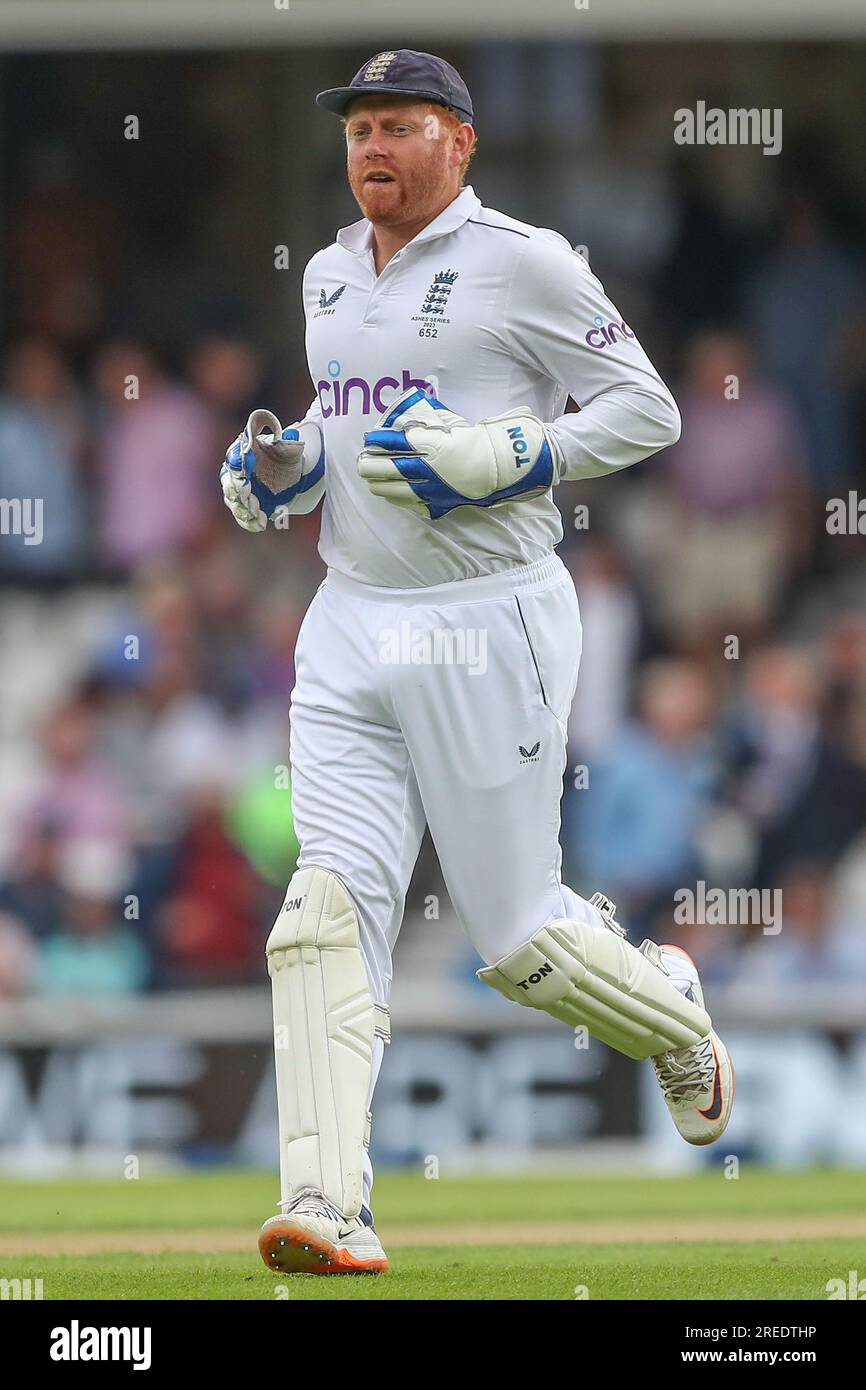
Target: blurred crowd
{"x": 719, "y": 732}
{"x": 148, "y": 834}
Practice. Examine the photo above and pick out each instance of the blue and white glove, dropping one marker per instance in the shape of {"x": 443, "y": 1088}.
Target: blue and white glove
{"x": 264, "y": 469}
{"x": 424, "y": 456}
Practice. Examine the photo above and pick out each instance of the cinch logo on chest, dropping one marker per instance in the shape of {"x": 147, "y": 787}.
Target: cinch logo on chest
{"x": 338, "y": 397}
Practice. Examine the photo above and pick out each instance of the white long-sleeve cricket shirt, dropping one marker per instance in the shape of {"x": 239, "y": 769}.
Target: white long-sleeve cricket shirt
{"x": 492, "y": 314}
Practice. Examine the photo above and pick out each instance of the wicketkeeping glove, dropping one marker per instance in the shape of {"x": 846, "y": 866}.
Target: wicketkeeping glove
{"x": 263, "y": 470}
{"x": 424, "y": 456}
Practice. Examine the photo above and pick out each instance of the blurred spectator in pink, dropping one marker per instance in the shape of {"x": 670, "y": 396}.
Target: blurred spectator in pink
{"x": 75, "y": 792}
{"x": 153, "y": 428}
{"x": 737, "y": 511}
{"x": 95, "y": 952}
{"x": 18, "y": 957}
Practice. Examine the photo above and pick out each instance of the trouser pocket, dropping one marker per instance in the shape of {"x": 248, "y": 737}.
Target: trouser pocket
{"x": 550, "y": 623}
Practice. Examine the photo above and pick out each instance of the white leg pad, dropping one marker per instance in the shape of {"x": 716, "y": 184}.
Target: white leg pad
{"x": 591, "y": 977}
{"x": 325, "y": 1023}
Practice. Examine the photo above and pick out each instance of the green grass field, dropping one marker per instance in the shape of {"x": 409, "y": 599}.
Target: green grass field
{"x": 763, "y": 1235}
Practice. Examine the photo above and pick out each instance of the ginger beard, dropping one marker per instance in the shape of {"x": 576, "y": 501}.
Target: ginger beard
{"x": 420, "y": 175}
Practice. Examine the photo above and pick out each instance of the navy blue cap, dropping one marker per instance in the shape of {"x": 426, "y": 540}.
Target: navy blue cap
{"x": 403, "y": 72}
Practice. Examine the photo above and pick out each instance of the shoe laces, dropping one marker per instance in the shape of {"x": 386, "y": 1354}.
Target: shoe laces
{"x": 312, "y": 1203}
{"x": 684, "y": 1074}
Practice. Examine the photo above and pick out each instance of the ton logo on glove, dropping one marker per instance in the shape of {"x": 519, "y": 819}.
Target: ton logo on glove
{"x": 424, "y": 456}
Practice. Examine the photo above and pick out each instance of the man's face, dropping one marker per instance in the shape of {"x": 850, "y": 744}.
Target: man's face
{"x": 403, "y": 158}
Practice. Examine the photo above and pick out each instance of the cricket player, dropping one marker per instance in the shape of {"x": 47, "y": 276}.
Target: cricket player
{"x": 438, "y": 660}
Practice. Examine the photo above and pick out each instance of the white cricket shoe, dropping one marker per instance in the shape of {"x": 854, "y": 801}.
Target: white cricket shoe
{"x": 697, "y": 1082}
{"x": 310, "y": 1236}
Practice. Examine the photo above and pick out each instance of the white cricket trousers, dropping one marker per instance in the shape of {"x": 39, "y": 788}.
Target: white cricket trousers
{"x": 443, "y": 706}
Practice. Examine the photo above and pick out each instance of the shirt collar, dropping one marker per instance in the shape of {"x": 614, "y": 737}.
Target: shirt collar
{"x": 358, "y": 237}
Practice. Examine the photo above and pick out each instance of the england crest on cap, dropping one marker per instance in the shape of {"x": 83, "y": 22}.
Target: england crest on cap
{"x": 378, "y": 66}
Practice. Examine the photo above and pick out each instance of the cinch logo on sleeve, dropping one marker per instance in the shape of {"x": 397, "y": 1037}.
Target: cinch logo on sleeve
{"x": 357, "y": 395}
{"x": 606, "y": 333}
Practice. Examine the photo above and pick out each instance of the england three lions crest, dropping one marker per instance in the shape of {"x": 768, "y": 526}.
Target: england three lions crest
{"x": 437, "y": 295}
{"x": 435, "y": 303}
